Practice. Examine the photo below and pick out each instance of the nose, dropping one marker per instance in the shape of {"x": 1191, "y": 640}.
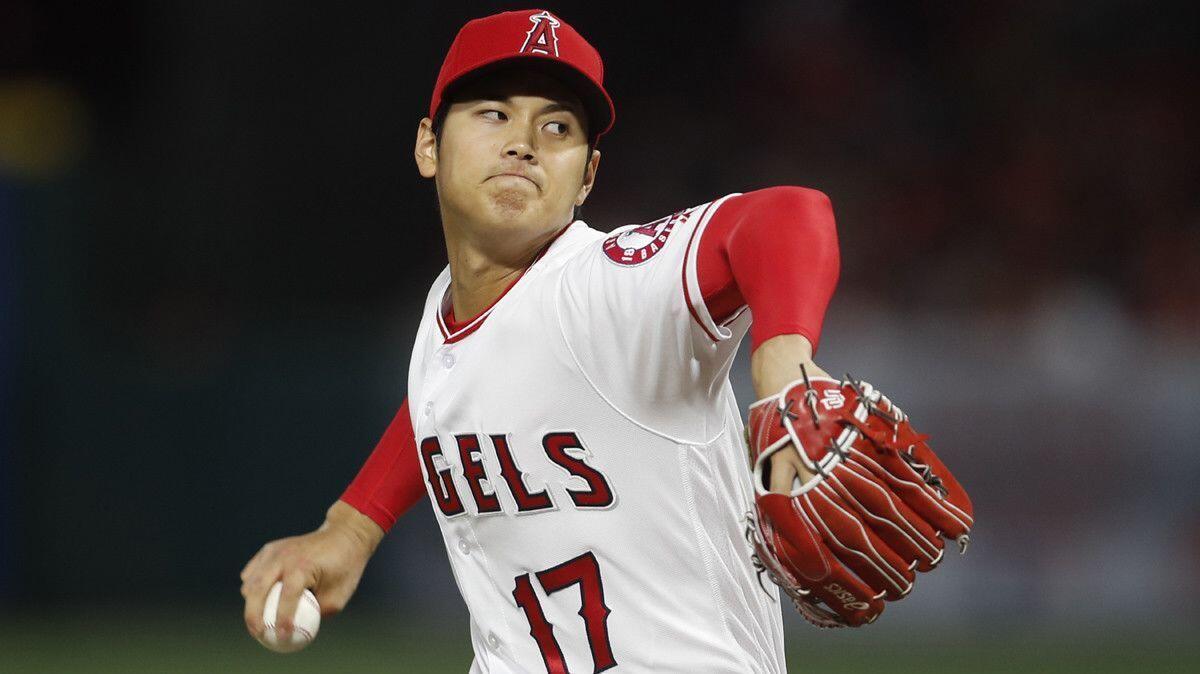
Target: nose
{"x": 519, "y": 149}
{"x": 520, "y": 143}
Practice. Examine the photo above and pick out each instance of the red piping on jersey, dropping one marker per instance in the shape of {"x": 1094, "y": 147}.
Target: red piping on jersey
{"x": 461, "y": 330}
{"x": 686, "y": 295}
{"x": 445, "y": 316}
{"x": 774, "y": 250}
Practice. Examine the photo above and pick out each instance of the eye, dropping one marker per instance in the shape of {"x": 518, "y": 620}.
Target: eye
{"x": 564, "y": 126}
{"x": 498, "y": 113}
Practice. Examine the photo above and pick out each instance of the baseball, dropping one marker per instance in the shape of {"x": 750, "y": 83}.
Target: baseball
{"x": 306, "y": 621}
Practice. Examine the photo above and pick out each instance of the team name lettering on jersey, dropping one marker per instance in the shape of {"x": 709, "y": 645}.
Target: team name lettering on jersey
{"x": 637, "y": 245}
{"x": 441, "y": 485}
{"x": 563, "y": 448}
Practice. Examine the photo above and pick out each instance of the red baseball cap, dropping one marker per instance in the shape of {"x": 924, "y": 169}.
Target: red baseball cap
{"x": 543, "y": 40}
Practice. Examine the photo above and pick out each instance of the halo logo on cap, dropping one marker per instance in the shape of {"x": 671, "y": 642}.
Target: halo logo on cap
{"x": 536, "y": 42}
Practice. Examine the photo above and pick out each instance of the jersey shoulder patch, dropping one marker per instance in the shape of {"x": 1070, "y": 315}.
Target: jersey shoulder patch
{"x": 632, "y": 245}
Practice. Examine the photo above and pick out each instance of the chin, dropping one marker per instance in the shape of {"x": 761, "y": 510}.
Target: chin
{"x": 512, "y": 206}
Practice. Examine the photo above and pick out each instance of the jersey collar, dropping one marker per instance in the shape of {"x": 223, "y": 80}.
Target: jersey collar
{"x": 453, "y": 331}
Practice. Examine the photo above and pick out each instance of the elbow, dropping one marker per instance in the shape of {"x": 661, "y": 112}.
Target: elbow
{"x": 803, "y": 196}
{"x": 803, "y": 205}
{"x": 809, "y": 218}
{"x": 806, "y": 199}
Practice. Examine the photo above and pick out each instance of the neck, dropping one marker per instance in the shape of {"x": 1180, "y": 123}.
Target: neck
{"x": 482, "y": 267}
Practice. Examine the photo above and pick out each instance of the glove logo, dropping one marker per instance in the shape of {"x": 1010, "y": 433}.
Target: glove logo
{"x": 542, "y": 38}
{"x": 847, "y": 597}
{"x": 833, "y": 399}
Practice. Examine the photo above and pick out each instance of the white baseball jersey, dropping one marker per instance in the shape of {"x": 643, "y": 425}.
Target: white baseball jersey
{"x": 584, "y": 454}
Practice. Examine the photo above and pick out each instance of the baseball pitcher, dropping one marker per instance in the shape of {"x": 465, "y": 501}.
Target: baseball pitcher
{"x": 570, "y": 416}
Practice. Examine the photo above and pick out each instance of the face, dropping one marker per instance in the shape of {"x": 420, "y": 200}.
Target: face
{"x": 512, "y": 156}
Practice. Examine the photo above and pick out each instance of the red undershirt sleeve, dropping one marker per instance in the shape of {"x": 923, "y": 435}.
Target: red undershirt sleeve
{"x": 775, "y": 250}
{"x": 390, "y": 482}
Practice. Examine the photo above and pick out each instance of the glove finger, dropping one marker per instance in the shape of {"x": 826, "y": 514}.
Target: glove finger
{"x": 816, "y": 571}
{"x": 900, "y": 478}
{"x": 841, "y": 599}
{"x": 793, "y": 539}
{"x": 955, "y": 496}
{"x": 888, "y": 516}
{"x": 899, "y": 456}
{"x": 944, "y": 496}
{"x": 856, "y": 545}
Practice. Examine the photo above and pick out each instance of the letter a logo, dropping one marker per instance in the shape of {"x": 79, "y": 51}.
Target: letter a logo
{"x": 542, "y": 38}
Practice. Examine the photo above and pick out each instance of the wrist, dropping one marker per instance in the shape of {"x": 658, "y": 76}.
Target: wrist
{"x": 363, "y": 530}
{"x": 776, "y": 363}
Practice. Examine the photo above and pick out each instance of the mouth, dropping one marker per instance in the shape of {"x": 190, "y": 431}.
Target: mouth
{"x": 513, "y": 175}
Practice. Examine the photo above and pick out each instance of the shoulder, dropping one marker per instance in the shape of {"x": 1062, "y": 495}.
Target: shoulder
{"x": 639, "y": 243}
{"x": 433, "y": 296}
{"x": 441, "y": 281}
{"x": 782, "y": 196}
{"x": 774, "y": 209}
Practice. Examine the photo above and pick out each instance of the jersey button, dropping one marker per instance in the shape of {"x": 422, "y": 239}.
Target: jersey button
{"x": 493, "y": 640}
{"x": 448, "y": 360}
{"x": 428, "y": 407}
{"x": 464, "y": 547}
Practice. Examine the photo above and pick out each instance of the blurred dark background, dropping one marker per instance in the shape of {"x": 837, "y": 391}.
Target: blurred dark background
{"x": 214, "y": 246}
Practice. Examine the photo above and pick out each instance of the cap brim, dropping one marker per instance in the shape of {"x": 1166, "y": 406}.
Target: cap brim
{"x": 595, "y": 102}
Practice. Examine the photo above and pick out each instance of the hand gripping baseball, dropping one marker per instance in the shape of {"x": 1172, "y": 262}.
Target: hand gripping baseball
{"x": 875, "y": 512}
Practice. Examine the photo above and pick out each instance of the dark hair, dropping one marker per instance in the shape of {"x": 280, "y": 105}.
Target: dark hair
{"x": 440, "y": 118}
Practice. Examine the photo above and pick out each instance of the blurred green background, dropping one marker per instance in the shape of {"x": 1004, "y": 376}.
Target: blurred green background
{"x": 185, "y": 641}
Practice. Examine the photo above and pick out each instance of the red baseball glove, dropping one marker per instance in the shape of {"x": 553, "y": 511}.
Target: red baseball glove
{"x": 875, "y": 513}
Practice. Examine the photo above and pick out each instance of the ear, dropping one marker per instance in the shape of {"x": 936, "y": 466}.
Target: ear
{"x": 589, "y": 178}
{"x": 425, "y": 151}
